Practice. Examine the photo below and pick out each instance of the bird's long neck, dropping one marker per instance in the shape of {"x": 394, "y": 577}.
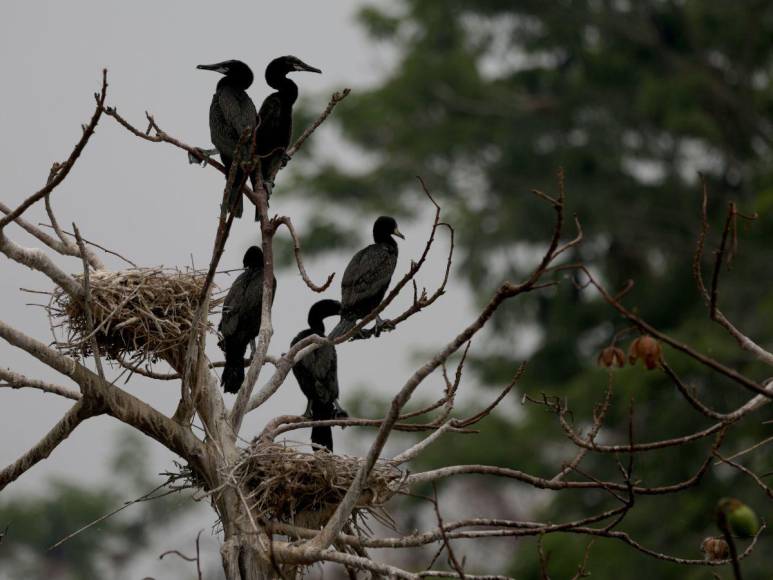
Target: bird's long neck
{"x": 238, "y": 82}
{"x": 288, "y": 90}
{"x": 388, "y": 241}
{"x": 317, "y": 327}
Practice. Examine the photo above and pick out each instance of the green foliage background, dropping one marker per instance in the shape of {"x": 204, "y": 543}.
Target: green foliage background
{"x": 486, "y": 100}
{"x": 35, "y": 522}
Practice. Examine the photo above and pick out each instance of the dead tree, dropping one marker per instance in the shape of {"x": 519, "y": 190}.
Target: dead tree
{"x": 281, "y": 509}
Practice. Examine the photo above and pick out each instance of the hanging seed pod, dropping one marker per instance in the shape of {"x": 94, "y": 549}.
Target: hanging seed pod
{"x": 610, "y": 357}
{"x": 647, "y": 349}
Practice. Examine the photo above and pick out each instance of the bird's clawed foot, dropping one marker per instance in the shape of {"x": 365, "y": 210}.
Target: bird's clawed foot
{"x": 203, "y": 158}
{"x": 382, "y": 325}
{"x": 285, "y": 159}
{"x": 339, "y": 412}
{"x": 308, "y": 414}
{"x": 253, "y": 348}
{"x": 362, "y": 334}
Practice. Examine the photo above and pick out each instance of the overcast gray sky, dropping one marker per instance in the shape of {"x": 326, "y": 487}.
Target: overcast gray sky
{"x": 145, "y": 201}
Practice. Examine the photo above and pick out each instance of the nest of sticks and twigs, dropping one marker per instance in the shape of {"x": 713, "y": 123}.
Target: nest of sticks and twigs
{"x": 139, "y": 315}
{"x": 286, "y": 485}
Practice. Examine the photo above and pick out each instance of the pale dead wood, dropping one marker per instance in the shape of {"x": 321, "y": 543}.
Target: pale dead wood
{"x": 62, "y": 247}
{"x": 60, "y": 171}
{"x": 16, "y": 380}
{"x": 78, "y": 413}
{"x": 87, "y": 303}
{"x": 299, "y": 258}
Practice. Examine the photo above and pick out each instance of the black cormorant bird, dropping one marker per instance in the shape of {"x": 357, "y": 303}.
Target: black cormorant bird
{"x": 367, "y": 276}
{"x": 240, "y": 321}
{"x": 317, "y": 374}
{"x": 231, "y": 112}
{"x": 275, "y": 118}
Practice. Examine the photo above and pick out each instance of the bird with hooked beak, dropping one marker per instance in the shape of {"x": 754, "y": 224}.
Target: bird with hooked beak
{"x": 230, "y": 114}
{"x": 275, "y": 118}
{"x": 367, "y": 277}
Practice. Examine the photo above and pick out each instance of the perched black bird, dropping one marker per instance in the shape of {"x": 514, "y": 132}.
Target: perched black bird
{"x": 231, "y": 112}
{"x": 317, "y": 374}
{"x": 240, "y": 321}
{"x": 367, "y": 276}
{"x": 275, "y": 118}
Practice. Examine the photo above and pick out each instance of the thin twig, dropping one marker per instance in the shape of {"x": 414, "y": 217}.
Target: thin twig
{"x": 146, "y": 497}
{"x": 451, "y": 556}
{"x": 87, "y": 303}
{"x": 64, "y": 168}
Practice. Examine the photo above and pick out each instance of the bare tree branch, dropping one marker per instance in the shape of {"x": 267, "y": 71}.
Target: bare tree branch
{"x": 299, "y": 258}
{"x": 711, "y": 298}
{"x": 17, "y": 381}
{"x": 79, "y": 412}
{"x": 63, "y": 169}
{"x": 87, "y": 302}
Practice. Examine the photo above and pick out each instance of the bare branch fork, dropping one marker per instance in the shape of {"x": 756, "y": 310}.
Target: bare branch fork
{"x": 261, "y": 543}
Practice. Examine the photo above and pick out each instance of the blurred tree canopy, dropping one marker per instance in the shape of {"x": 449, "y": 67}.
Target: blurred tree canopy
{"x": 36, "y": 522}
{"x": 486, "y": 100}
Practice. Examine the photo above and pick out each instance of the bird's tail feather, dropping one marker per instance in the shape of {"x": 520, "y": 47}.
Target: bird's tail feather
{"x": 322, "y": 436}
{"x": 342, "y": 327}
{"x": 235, "y": 198}
{"x": 233, "y": 377}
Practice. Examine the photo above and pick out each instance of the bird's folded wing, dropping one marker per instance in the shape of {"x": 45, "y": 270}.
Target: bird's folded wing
{"x": 368, "y": 273}
{"x": 238, "y": 109}
{"x": 229, "y": 319}
{"x": 268, "y": 122}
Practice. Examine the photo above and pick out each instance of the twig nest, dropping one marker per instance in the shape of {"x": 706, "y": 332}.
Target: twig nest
{"x": 283, "y": 483}
{"x": 141, "y": 314}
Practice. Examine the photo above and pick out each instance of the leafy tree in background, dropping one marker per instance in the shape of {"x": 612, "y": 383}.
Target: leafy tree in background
{"x": 486, "y": 100}
{"x": 37, "y": 522}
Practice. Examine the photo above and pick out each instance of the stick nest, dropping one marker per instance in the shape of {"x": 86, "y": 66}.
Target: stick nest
{"x": 140, "y": 314}
{"x": 283, "y": 482}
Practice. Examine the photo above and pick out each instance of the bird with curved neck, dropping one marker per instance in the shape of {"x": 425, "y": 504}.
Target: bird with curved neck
{"x": 275, "y": 118}
{"x": 240, "y": 320}
{"x": 317, "y": 374}
{"x": 367, "y": 277}
{"x": 230, "y": 114}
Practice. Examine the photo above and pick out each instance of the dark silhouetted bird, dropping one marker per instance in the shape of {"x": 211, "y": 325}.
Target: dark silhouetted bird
{"x": 367, "y": 276}
{"x": 317, "y": 374}
{"x": 231, "y": 112}
{"x": 240, "y": 321}
{"x": 275, "y": 118}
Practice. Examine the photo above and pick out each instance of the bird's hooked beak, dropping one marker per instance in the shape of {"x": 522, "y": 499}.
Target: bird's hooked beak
{"x": 398, "y": 233}
{"x": 302, "y": 66}
{"x": 217, "y": 67}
